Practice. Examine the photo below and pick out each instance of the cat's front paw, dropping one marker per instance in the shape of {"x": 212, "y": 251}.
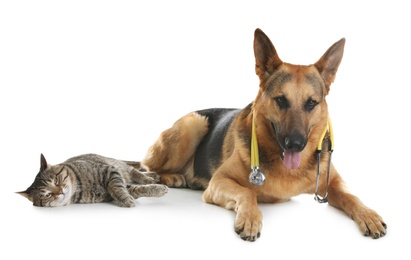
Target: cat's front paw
{"x": 148, "y": 190}
{"x": 159, "y": 190}
{"x": 128, "y": 202}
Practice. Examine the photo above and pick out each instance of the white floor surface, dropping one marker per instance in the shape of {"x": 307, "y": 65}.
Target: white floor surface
{"x": 108, "y": 76}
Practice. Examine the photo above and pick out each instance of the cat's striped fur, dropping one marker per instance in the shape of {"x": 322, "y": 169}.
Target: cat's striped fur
{"x": 92, "y": 178}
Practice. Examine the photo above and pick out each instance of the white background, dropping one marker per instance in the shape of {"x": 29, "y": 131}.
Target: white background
{"x": 108, "y": 76}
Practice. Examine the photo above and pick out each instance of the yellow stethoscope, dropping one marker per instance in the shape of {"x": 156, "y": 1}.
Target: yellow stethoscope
{"x": 257, "y": 177}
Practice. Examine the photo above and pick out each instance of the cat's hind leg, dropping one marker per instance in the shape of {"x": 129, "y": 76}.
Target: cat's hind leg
{"x": 118, "y": 190}
{"x": 139, "y": 174}
{"x": 149, "y": 190}
{"x": 139, "y": 177}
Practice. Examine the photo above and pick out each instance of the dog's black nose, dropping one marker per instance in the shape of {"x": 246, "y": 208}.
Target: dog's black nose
{"x": 295, "y": 143}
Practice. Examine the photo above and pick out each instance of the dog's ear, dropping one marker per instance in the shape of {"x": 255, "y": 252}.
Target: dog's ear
{"x": 328, "y": 64}
{"x": 266, "y": 57}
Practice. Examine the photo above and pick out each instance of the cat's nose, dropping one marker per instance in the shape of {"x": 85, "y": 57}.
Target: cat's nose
{"x": 58, "y": 190}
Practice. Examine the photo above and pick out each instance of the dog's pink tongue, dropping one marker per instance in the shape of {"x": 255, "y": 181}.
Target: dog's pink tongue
{"x": 292, "y": 159}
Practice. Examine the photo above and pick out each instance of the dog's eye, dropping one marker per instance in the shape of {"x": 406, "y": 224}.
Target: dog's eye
{"x": 310, "y": 105}
{"x": 281, "y": 102}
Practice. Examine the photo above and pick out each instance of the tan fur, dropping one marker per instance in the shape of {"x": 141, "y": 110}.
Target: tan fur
{"x": 172, "y": 154}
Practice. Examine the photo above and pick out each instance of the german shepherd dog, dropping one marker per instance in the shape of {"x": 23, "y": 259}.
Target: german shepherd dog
{"x": 210, "y": 149}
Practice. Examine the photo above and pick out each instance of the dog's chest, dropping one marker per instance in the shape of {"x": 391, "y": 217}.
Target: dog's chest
{"x": 279, "y": 187}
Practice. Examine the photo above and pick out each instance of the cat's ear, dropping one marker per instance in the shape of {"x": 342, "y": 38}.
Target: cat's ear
{"x": 25, "y": 194}
{"x": 43, "y": 163}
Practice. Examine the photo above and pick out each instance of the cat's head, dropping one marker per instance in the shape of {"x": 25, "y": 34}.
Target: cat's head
{"x": 51, "y": 187}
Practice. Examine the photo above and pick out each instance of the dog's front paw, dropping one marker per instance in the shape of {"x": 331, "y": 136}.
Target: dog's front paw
{"x": 248, "y": 224}
{"x": 370, "y": 223}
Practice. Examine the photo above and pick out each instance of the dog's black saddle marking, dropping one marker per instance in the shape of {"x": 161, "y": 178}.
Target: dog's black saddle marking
{"x": 209, "y": 151}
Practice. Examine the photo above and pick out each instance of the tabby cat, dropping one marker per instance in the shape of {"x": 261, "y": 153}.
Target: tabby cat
{"x": 92, "y": 178}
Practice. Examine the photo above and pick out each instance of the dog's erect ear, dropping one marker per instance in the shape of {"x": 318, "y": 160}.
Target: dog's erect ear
{"x": 266, "y": 57}
{"x": 328, "y": 64}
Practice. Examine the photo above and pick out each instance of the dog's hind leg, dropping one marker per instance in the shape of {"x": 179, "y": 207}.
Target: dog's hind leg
{"x": 172, "y": 154}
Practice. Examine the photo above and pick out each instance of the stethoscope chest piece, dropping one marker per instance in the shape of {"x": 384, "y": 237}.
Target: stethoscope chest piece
{"x": 256, "y": 177}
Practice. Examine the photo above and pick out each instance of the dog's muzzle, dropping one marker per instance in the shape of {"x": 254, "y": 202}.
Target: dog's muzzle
{"x": 294, "y": 143}
{"x": 291, "y": 147}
